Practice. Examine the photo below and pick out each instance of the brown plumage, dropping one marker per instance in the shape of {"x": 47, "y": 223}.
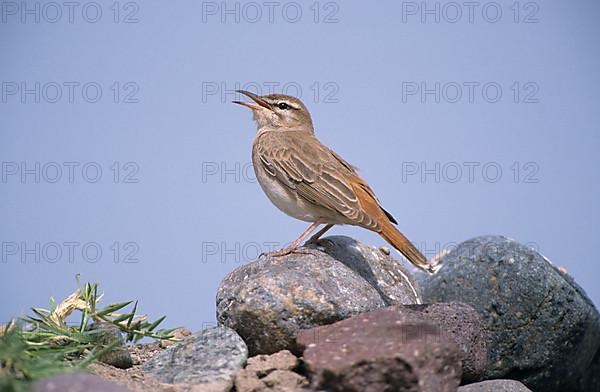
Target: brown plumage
{"x": 309, "y": 181}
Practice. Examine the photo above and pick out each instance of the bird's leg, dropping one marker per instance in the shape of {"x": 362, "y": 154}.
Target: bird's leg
{"x": 294, "y": 246}
{"x": 319, "y": 233}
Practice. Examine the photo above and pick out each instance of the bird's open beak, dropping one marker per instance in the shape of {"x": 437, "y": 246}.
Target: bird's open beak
{"x": 261, "y": 103}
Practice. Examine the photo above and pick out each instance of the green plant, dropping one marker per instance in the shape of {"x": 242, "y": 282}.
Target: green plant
{"x": 44, "y": 343}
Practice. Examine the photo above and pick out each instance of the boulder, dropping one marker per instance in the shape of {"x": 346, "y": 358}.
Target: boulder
{"x": 209, "y": 358}
{"x": 268, "y": 301}
{"x": 541, "y": 327}
{"x": 398, "y": 348}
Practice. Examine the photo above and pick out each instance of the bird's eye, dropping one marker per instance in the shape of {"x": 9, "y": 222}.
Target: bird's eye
{"x": 282, "y": 105}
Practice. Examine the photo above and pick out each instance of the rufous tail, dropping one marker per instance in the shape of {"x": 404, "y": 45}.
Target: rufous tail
{"x": 404, "y": 246}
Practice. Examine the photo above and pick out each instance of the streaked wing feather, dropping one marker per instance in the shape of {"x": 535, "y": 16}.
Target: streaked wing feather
{"x": 318, "y": 174}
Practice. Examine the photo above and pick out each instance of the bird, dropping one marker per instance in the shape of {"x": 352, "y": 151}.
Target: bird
{"x": 309, "y": 181}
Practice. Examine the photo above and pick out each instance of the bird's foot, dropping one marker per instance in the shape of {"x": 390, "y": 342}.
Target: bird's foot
{"x": 276, "y": 253}
{"x": 287, "y": 251}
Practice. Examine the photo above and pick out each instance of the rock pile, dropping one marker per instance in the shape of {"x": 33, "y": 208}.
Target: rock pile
{"x": 496, "y": 317}
{"x": 499, "y": 310}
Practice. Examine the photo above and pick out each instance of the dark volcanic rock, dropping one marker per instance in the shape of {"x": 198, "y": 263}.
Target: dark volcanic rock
{"x": 590, "y": 380}
{"x": 267, "y": 302}
{"x": 495, "y": 386}
{"x": 542, "y": 328}
{"x": 77, "y": 382}
{"x": 459, "y": 323}
{"x": 397, "y": 348}
{"x": 211, "y": 357}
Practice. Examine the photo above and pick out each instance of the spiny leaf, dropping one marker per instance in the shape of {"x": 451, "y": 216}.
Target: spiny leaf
{"x": 112, "y": 308}
{"x": 155, "y": 324}
{"x": 132, "y": 312}
{"x": 41, "y": 312}
{"x": 121, "y": 318}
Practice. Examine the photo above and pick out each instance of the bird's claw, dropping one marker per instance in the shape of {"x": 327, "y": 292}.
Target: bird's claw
{"x": 287, "y": 251}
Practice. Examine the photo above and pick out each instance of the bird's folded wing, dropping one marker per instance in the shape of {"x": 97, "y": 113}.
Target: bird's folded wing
{"x": 318, "y": 175}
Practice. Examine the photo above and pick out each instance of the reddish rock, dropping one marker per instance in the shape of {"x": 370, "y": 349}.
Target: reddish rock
{"x": 461, "y": 324}
{"x": 397, "y": 348}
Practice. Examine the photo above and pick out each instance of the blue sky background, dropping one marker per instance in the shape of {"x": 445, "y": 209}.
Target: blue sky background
{"x": 184, "y": 202}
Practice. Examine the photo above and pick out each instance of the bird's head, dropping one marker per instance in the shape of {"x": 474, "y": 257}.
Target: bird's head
{"x": 278, "y": 112}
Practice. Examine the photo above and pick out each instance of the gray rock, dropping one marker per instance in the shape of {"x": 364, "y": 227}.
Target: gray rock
{"x": 77, "y": 382}
{"x": 542, "y": 328}
{"x": 495, "y": 386}
{"x": 392, "y": 349}
{"x": 394, "y": 283}
{"x": 268, "y": 301}
{"x": 119, "y": 356}
{"x": 210, "y": 357}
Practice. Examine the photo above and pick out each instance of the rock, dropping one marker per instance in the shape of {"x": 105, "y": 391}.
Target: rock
{"x": 77, "y": 382}
{"x": 264, "y": 364}
{"x": 460, "y": 324}
{"x": 270, "y": 372}
{"x": 590, "y": 380}
{"x": 542, "y": 328}
{"x": 119, "y": 356}
{"x": 495, "y": 386}
{"x": 210, "y": 357}
{"x": 390, "y": 349}
{"x": 456, "y": 322}
{"x": 268, "y": 301}
{"x": 394, "y": 283}
{"x": 142, "y": 352}
{"x": 284, "y": 380}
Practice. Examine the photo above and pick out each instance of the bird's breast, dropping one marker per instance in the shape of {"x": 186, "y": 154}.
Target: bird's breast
{"x": 284, "y": 198}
